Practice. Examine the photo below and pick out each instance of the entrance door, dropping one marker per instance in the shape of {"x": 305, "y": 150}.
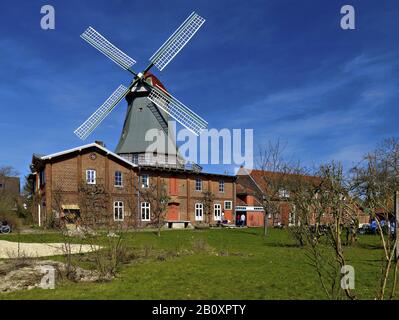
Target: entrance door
{"x": 217, "y": 212}
{"x": 238, "y": 218}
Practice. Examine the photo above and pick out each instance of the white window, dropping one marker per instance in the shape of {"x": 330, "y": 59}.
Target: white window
{"x": 91, "y": 176}
{"x": 228, "y": 205}
{"x": 292, "y": 217}
{"x": 199, "y": 211}
{"x": 145, "y": 211}
{"x": 221, "y": 186}
{"x": 145, "y": 181}
{"x": 283, "y": 193}
{"x": 217, "y": 212}
{"x": 118, "y": 179}
{"x": 198, "y": 184}
{"x": 119, "y": 211}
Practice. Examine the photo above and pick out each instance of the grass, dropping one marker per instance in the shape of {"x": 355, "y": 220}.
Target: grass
{"x": 217, "y": 264}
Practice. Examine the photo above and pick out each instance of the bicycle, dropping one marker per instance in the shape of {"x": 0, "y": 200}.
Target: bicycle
{"x": 5, "y": 228}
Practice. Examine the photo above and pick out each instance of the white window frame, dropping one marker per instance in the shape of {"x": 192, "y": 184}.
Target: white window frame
{"x": 292, "y": 217}
{"x": 221, "y": 186}
{"x": 231, "y": 205}
{"x": 196, "y": 184}
{"x": 199, "y": 208}
{"x": 145, "y": 211}
{"x": 91, "y": 176}
{"x": 116, "y": 180}
{"x": 283, "y": 193}
{"x": 145, "y": 181}
{"x": 119, "y": 211}
{"x": 217, "y": 208}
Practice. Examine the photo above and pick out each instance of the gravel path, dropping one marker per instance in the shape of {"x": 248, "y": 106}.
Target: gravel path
{"x": 9, "y": 249}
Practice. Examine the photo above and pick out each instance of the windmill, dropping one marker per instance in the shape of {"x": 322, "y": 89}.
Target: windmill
{"x": 149, "y": 104}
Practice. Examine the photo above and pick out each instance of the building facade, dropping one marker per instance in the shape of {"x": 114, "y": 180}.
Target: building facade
{"x": 63, "y": 182}
{"x": 253, "y": 186}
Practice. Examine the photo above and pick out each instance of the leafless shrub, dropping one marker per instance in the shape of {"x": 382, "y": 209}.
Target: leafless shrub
{"x": 158, "y": 197}
{"x": 201, "y": 245}
{"x": 207, "y": 201}
{"x": 375, "y": 181}
{"x": 147, "y": 250}
{"x": 324, "y": 208}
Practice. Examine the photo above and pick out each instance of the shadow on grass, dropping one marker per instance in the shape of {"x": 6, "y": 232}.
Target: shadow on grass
{"x": 252, "y": 232}
{"x": 283, "y": 245}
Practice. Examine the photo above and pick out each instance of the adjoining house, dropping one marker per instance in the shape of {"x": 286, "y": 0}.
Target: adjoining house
{"x": 10, "y": 185}
{"x": 252, "y": 187}
{"x": 59, "y": 178}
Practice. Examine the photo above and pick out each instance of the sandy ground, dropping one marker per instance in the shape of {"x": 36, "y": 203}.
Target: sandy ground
{"x": 10, "y": 249}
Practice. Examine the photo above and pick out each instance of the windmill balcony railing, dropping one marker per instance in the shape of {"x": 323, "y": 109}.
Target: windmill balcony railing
{"x": 162, "y": 161}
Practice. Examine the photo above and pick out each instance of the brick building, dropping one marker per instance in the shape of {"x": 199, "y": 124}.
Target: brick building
{"x": 252, "y": 186}
{"x": 59, "y": 178}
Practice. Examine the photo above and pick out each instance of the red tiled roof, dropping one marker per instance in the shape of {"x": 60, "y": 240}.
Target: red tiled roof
{"x": 261, "y": 177}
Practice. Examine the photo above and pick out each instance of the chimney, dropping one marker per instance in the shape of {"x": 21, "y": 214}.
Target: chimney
{"x": 100, "y": 143}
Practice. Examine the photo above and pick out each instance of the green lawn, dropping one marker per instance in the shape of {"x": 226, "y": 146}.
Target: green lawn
{"x": 240, "y": 264}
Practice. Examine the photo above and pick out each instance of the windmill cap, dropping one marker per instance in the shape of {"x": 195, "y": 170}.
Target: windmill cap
{"x": 142, "y": 90}
{"x": 154, "y": 80}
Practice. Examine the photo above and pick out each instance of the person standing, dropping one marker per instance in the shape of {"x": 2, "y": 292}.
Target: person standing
{"x": 243, "y": 220}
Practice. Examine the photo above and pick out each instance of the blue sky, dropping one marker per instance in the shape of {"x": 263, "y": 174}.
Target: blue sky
{"x": 282, "y": 67}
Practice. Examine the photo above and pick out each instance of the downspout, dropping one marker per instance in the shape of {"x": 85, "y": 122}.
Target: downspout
{"x": 39, "y": 214}
{"x": 138, "y": 198}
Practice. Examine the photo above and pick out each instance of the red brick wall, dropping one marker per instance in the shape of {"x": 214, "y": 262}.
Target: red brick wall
{"x": 255, "y": 219}
{"x": 181, "y": 188}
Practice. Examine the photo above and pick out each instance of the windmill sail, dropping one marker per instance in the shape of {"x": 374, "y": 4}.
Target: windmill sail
{"x": 99, "y": 115}
{"x": 177, "y": 110}
{"x": 177, "y": 41}
{"x": 107, "y": 48}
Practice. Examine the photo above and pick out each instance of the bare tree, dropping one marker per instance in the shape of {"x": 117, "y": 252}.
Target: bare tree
{"x": 207, "y": 201}
{"x": 375, "y": 181}
{"x": 7, "y": 199}
{"x": 275, "y": 175}
{"x": 58, "y": 214}
{"x": 10, "y": 202}
{"x": 324, "y": 209}
{"x": 158, "y": 197}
